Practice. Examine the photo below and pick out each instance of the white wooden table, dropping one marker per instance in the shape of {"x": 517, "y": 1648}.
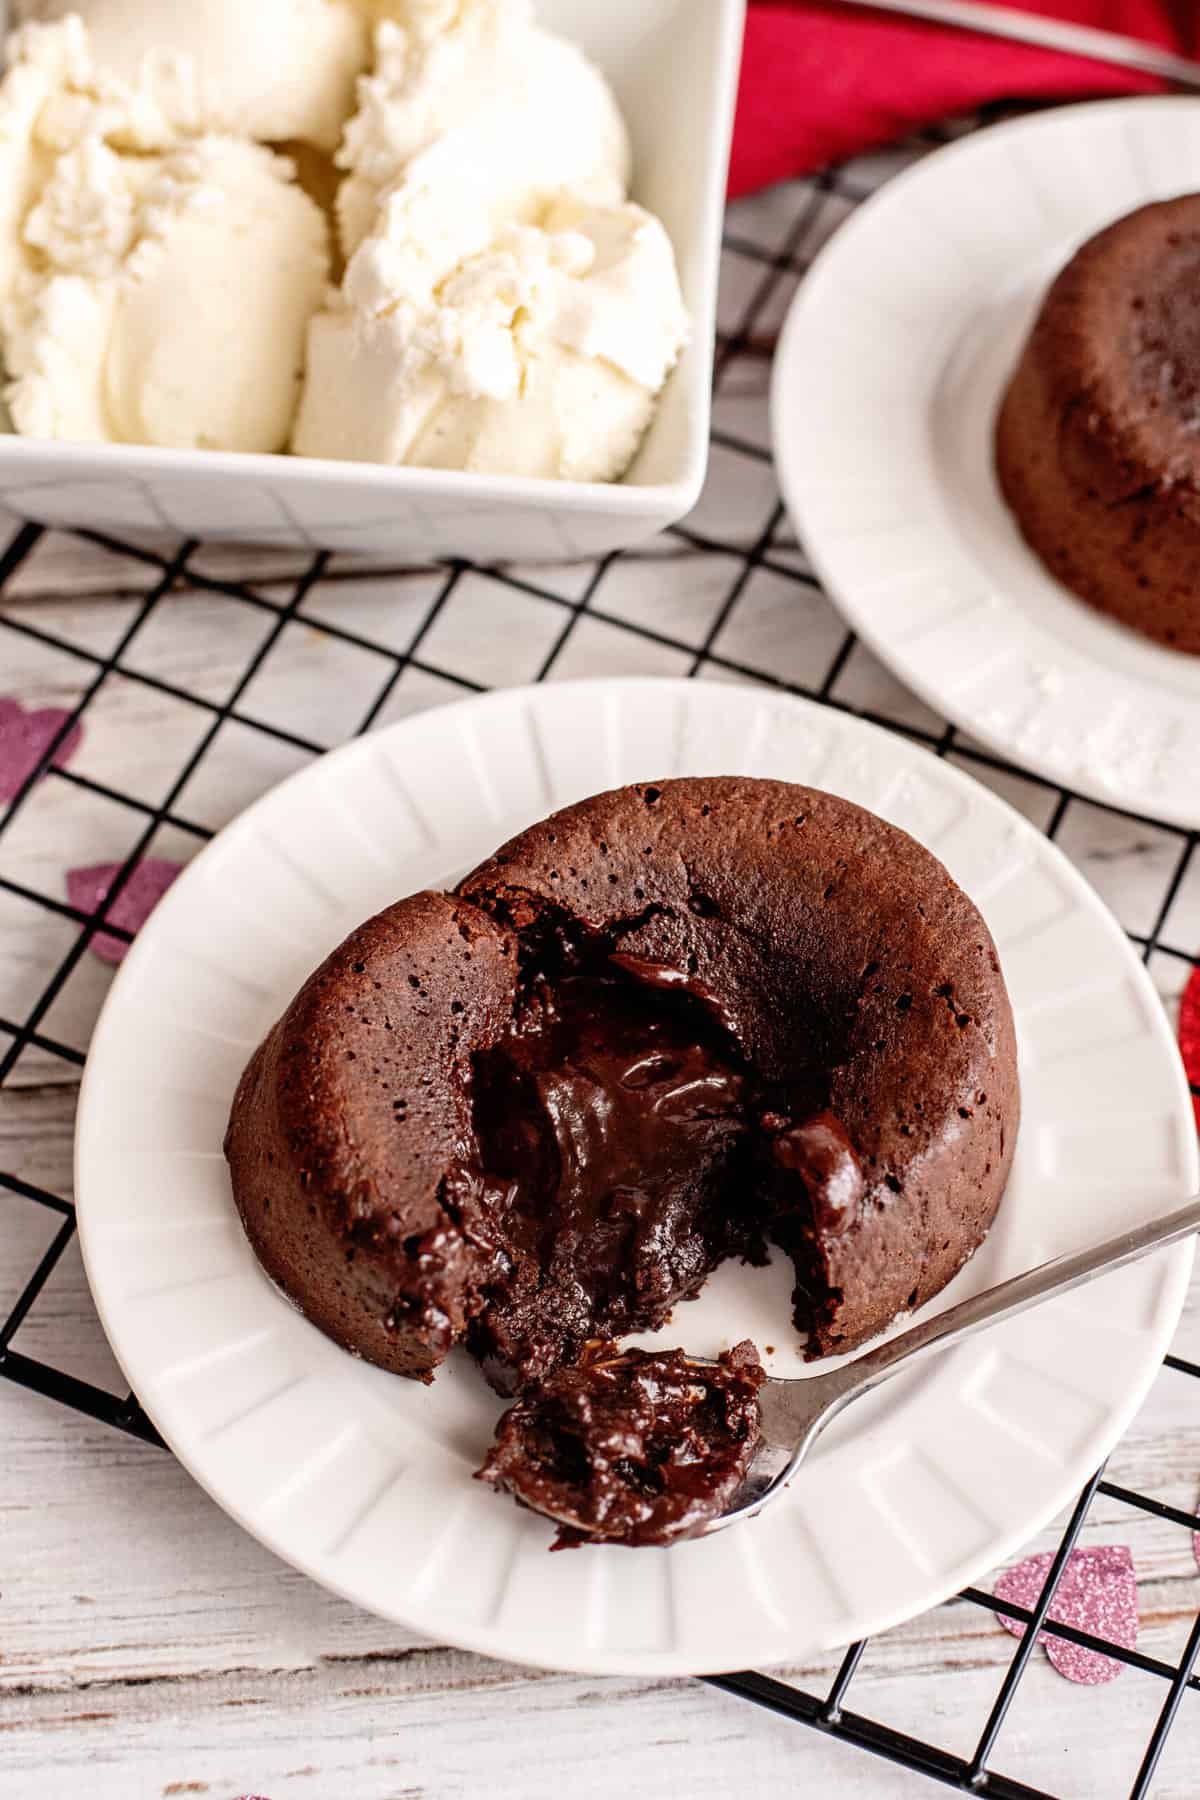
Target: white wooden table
{"x": 147, "y": 1646}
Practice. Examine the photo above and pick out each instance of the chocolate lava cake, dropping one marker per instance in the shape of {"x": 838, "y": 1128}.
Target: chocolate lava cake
{"x": 666, "y": 1026}
{"x": 1098, "y": 439}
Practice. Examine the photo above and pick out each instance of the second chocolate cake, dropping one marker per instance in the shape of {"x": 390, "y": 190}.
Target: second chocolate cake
{"x": 1098, "y": 437}
{"x": 663, "y": 1027}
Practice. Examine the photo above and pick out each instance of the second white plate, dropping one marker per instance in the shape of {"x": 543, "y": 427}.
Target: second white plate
{"x": 363, "y": 1479}
{"x": 891, "y": 367}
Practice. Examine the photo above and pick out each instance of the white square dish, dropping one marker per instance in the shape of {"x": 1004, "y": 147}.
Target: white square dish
{"x": 673, "y": 65}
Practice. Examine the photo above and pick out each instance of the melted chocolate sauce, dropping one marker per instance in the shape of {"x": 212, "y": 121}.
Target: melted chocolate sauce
{"x": 614, "y": 1097}
{"x": 670, "y": 980}
{"x": 632, "y": 1447}
{"x": 627, "y": 1152}
{"x": 819, "y": 1151}
{"x": 608, "y": 1123}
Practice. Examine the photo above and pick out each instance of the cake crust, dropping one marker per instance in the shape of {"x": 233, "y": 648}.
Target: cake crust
{"x": 350, "y": 1134}
{"x": 1098, "y": 436}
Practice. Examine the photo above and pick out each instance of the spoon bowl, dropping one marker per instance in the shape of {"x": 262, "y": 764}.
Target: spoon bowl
{"x": 795, "y": 1413}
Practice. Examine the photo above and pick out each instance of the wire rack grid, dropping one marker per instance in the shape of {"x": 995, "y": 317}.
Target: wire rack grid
{"x": 244, "y": 665}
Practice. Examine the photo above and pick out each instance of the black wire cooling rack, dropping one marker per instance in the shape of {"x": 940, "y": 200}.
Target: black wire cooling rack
{"x": 595, "y": 621}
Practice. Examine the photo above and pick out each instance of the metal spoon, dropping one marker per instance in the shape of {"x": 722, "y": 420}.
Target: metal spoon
{"x": 795, "y": 1413}
{"x": 1047, "y": 34}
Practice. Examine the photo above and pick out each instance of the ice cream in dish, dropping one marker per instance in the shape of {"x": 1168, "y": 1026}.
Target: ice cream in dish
{"x": 518, "y": 111}
{"x": 274, "y": 70}
{"x": 541, "y": 354}
{"x": 504, "y": 307}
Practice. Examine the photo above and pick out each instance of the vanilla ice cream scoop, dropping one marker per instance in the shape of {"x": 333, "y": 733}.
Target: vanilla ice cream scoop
{"x": 531, "y": 105}
{"x": 265, "y": 69}
{"x": 165, "y": 299}
{"x": 542, "y": 355}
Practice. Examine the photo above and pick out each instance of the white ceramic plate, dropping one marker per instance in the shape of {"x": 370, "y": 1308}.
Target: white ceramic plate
{"x": 363, "y": 1479}
{"x": 890, "y": 371}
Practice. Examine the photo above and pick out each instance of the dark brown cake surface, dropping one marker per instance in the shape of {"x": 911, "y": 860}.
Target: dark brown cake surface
{"x": 671, "y": 1024}
{"x": 1098, "y": 438}
{"x": 631, "y": 1447}
{"x": 351, "y": 1137}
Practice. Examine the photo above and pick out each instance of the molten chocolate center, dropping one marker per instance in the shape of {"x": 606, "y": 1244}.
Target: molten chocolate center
{"x": 627, "y": 1151}
{"x": 601, "y": 1109}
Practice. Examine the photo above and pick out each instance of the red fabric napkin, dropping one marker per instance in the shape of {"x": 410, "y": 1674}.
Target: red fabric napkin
{"x": 1189, "y": 1043}
{"x": 821, "y": 82}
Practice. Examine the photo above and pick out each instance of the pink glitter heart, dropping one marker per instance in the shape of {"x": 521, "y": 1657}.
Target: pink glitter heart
{"x": 146, "y": 886}
{"x": 1097, "y": 1593}
{"x": 24, "y": 739}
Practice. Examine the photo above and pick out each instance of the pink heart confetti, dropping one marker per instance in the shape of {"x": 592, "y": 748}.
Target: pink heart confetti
{"x": 146, "y": 886}
{"x": 1097, "y": 1593}
{"x": 25, "y": 737}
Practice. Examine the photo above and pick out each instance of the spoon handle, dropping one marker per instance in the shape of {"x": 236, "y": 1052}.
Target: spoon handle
{"x": 1047, "y": 34}
{"x": 1012, "y": 1297}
